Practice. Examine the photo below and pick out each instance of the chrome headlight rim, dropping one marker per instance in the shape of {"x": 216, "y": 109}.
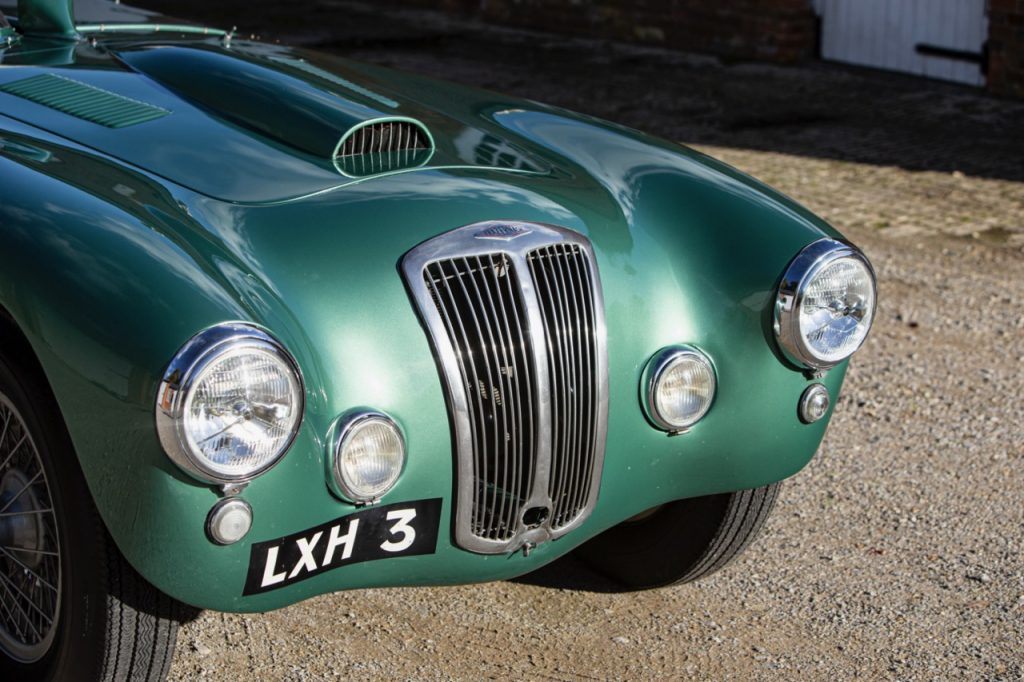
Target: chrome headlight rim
{"x": 179, "y": 378}
{"x": 792, "y": 288}
{"x": 656, "y": 368}
{"x": 345, "y": 427}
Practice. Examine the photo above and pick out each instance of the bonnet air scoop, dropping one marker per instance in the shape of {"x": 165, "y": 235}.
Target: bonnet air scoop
{"x": 383, "y": 145}
{"x": 357, "y": 136}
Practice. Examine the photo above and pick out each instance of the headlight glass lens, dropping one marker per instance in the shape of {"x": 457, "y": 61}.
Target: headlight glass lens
{"x": 837, "y": 309}
{"x": 682, "y": 388}
{"x": 825, "y": 304}
{"x": 230, "y": 404}
{"x": 242, "y": 411}
{"x": 370, "y": 457}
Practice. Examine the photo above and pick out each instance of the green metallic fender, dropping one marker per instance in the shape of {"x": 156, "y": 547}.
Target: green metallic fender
{"x": 109, "y": 269}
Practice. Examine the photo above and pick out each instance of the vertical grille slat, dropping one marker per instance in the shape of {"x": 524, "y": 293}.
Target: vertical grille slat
{"x": 520, "y": 339}
{"x": 485, "y": 415}
{"x": 513, "y": 438}
{"x": 574, "y": 400}
{"x": 437, "y": 275}
{"x": 525, "y": 379}
{"x": 552, "y": 303}
{"x": 470, "y": 291}
{"x": 586, "y": 327}
{"x": 490, "y": 391}
{"x": 557, "y": 378}
{"x": 499, "y": 397}
{"x": 513, "y": 446}
{"x": 576, "y": 407}
{"x": 564, "y": 297}
{"x": 565, "y": 402}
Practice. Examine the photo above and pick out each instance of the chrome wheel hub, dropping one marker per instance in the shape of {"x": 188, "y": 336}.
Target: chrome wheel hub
{"x": 30, "y": 571}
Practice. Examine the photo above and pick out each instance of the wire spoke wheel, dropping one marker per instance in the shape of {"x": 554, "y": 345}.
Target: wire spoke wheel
{"x": 30, "y": 552}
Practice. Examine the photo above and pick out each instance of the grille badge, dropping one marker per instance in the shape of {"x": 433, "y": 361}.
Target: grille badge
{"x": 503, "y": 232}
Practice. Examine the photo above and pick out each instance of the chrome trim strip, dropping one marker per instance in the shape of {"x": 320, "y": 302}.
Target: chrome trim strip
{"x": 472, "y": 241}
{"x": 790, "y": 295}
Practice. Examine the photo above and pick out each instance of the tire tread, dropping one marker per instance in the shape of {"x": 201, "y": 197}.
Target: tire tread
{"x": 142, "y": 636}
{"x": 124, "y": 628}
{"x": 682, "y": 541}
{"x": 745, "y": 517}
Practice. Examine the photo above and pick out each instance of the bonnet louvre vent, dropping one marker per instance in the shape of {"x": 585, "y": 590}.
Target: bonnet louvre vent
{"x": 84, "y": 101}
{"x": 385, "y": 138}
{"x": 383, "y": 146}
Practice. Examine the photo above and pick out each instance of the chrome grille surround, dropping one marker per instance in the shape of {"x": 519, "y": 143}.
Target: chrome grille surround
{"x": 515, "y": 314}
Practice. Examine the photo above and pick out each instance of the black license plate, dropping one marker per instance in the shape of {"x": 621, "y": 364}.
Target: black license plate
{"x": 403, "y": 529}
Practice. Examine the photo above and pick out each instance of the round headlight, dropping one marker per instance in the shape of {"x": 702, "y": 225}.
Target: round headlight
{"x": 369, "y": 456}
{"x": 825, "y": 304}
{"x": 678, "y": 388}
{"x": 230, "y": 404}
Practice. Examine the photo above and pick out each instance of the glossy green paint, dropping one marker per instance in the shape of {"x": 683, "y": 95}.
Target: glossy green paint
{"x": 52, "y": 18}
{"x": 233, "y": 148}
{"x": 86, "y": 102}
{"x": 114, "y": 257}
{"x": 257, "y": 96}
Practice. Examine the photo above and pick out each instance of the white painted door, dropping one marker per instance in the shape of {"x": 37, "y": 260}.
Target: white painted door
{"x": 934, "y": 38}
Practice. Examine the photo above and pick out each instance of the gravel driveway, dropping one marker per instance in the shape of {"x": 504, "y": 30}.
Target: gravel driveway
{"x": 897, "y": 553}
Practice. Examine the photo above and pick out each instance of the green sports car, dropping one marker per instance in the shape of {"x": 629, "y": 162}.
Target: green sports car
{"x": 275, "y": 324}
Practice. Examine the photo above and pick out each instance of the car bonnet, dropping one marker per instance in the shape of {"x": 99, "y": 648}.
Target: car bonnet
{"x": 251, "y": 122}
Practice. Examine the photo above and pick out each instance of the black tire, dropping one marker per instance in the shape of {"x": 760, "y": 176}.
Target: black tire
{"x": 110, "y": 623}
{"x": 680, "y": 541}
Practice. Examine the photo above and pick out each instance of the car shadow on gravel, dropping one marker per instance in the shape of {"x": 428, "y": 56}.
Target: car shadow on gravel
{"x": 569, "y": 573}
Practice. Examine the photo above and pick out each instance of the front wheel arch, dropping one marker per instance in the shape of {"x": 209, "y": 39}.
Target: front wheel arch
{"x": 680, "y": 541}
{"x": 109, "y": 623}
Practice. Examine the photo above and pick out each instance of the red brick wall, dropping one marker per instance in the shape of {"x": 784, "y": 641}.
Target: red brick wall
{"x": 773, "y": 30}
{"x": 1006, "y": 47}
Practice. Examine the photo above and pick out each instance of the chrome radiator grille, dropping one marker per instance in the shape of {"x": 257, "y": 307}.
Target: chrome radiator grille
{"x": 514, "y": 312}
{"x": 562, "y": 276}
{"x": 484, "y": 317}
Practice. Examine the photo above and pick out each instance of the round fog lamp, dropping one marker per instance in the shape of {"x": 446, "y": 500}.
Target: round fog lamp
{"x": 369, "y": 456}
{"x": 229, "y": 521}
{"x": 814, "y": 403}
{"x": 679, "y": 387}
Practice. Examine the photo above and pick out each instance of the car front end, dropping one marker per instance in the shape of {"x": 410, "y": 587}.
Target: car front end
{"x": 313, "y": 325}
